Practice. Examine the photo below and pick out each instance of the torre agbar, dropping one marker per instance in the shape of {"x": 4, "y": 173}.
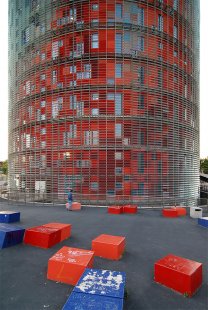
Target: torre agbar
{"x": 104, "y": 99}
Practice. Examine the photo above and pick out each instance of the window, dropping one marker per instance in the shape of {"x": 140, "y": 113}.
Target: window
{"x": 42, "y": 77}
{"x": 91, "y": 137}
{"x": 118, "y": 104}
{"x": 141, "y": 189}
{"x": 141, "y": 138}
{"x": 175, "y": 32}
{"x": 175, "y": 4}
{"x": 73, "y": 14}
{"x": 118, "y": 155}
{"x": 95, "y": 7}
{"x": 94, "y": 185}
{"x": 80, "y": 49}
{"x": 118, "y": 43}
{"x": 118, "y": 70}
{"x": 95, "y": 111}
{"x": 73, "y": 69}
{"x": 141, "y": 163}
{"x": 118, "y": 170}
{"x": 119, "y": 11}
{"x": 94, "y": 40}
{"x": 140, "y": 16}
{"x": 73, "y": 131}
{"x": 141, "y": 44}
{"x": 80, "y": 108}
{"x": 95, "y": 96}
{"x": 110, "y": 96}
{"x": 60, "y": 43}
{"x": 43, "y": 144}
{"x": 175, "y": 53}
{"x": 141, "y": 102}
{"x": 141, "y": 75}
{"x": 160, "y": 22}
{"x": 73, "y": 102}
{"x": 160, "y": 45}
{"x": 43, "y": 131}
{"x": 54, "y": 76}
{"x": 118, "y": 185}
{"x": 66, "y": 137}
{"x": 43, "y": 56}
{"x": 43, "y": 104}
{"x": 185, "y": 91}
{"x": 118, "y": 130}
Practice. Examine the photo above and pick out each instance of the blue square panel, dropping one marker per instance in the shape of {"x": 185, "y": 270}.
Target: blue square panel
{"x": 80, "y": 301}
{"x": 9, "y": 216}
{"x": 10, "y": 235}
{"x": 102, "y": 282}
{"x": 203, "y": 221}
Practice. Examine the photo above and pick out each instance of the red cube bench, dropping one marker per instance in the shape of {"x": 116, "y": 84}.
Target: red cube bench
{"x": 130, "y": 209}
{"x": 108, "y": 246}
{"x": 178, "y": 273}
{"x": 43, "y": 237}
{"x": 180, "y": 210}
{"x": 68, "y": 264}
{"x": 171, "y": 212}
{"x": 65, "y": 229}
{"x": 115, "y": 209}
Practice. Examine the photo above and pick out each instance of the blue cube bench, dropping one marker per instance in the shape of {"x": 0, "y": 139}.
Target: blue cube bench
{"x": 99, "y": 290}
{"x": 102, "y": 282}
{"x": 83, "y": 301}
{"x": 9, "y": 216}
{"x": 10, "y": 235}
{"x": 203, "y": 221}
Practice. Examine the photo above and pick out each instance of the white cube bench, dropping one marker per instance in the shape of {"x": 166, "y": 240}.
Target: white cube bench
{"x": 195, "y": 212}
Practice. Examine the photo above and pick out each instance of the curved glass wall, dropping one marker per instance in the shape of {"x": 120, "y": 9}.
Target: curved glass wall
{"x": 104, "y": 99}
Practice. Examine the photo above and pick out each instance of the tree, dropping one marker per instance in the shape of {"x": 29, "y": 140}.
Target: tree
{"x": 5, "y": 167}
{"x": 204, "y": 165}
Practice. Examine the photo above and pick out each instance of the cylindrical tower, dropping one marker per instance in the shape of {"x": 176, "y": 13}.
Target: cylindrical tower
{"x": 104, "y": 98}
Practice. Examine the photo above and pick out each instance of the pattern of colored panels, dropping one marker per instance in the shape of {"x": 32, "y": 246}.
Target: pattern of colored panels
{"x": 178, "y": 273}
{"x": 203, "y": 221}
{"x": 80, "y": 301}
{"x": 172, "y": 212}
{"x": 43, "y": 237}
{"x": 10, "y": 235}
{"x": 68, "y": 264}
{"x": 108, "y": 246}
{"x": 104, "y": 99}
{"x": 9, "y": 216}
{"x": 115, "y": 209}
{"x": 102, "y": 282}
{"x": 65, "y": 229}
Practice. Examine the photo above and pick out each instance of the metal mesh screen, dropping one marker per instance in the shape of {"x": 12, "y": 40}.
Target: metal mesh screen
{"x": 104, "y": 99}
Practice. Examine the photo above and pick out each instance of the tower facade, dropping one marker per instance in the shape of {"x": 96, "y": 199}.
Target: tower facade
{"x": 104, "y": 99}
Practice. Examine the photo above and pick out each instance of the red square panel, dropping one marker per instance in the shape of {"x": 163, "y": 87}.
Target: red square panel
{"x": 65, "y": 229}
{"x": 107, "y": 246}
{"x": 178, "y": 273}
{"x": 130, "y": 209}
{"x": 115, "y": 209}
{"x": 68, "y": 264}
{"x": 43, "y": 237}
{"x": 170, "y": 212}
